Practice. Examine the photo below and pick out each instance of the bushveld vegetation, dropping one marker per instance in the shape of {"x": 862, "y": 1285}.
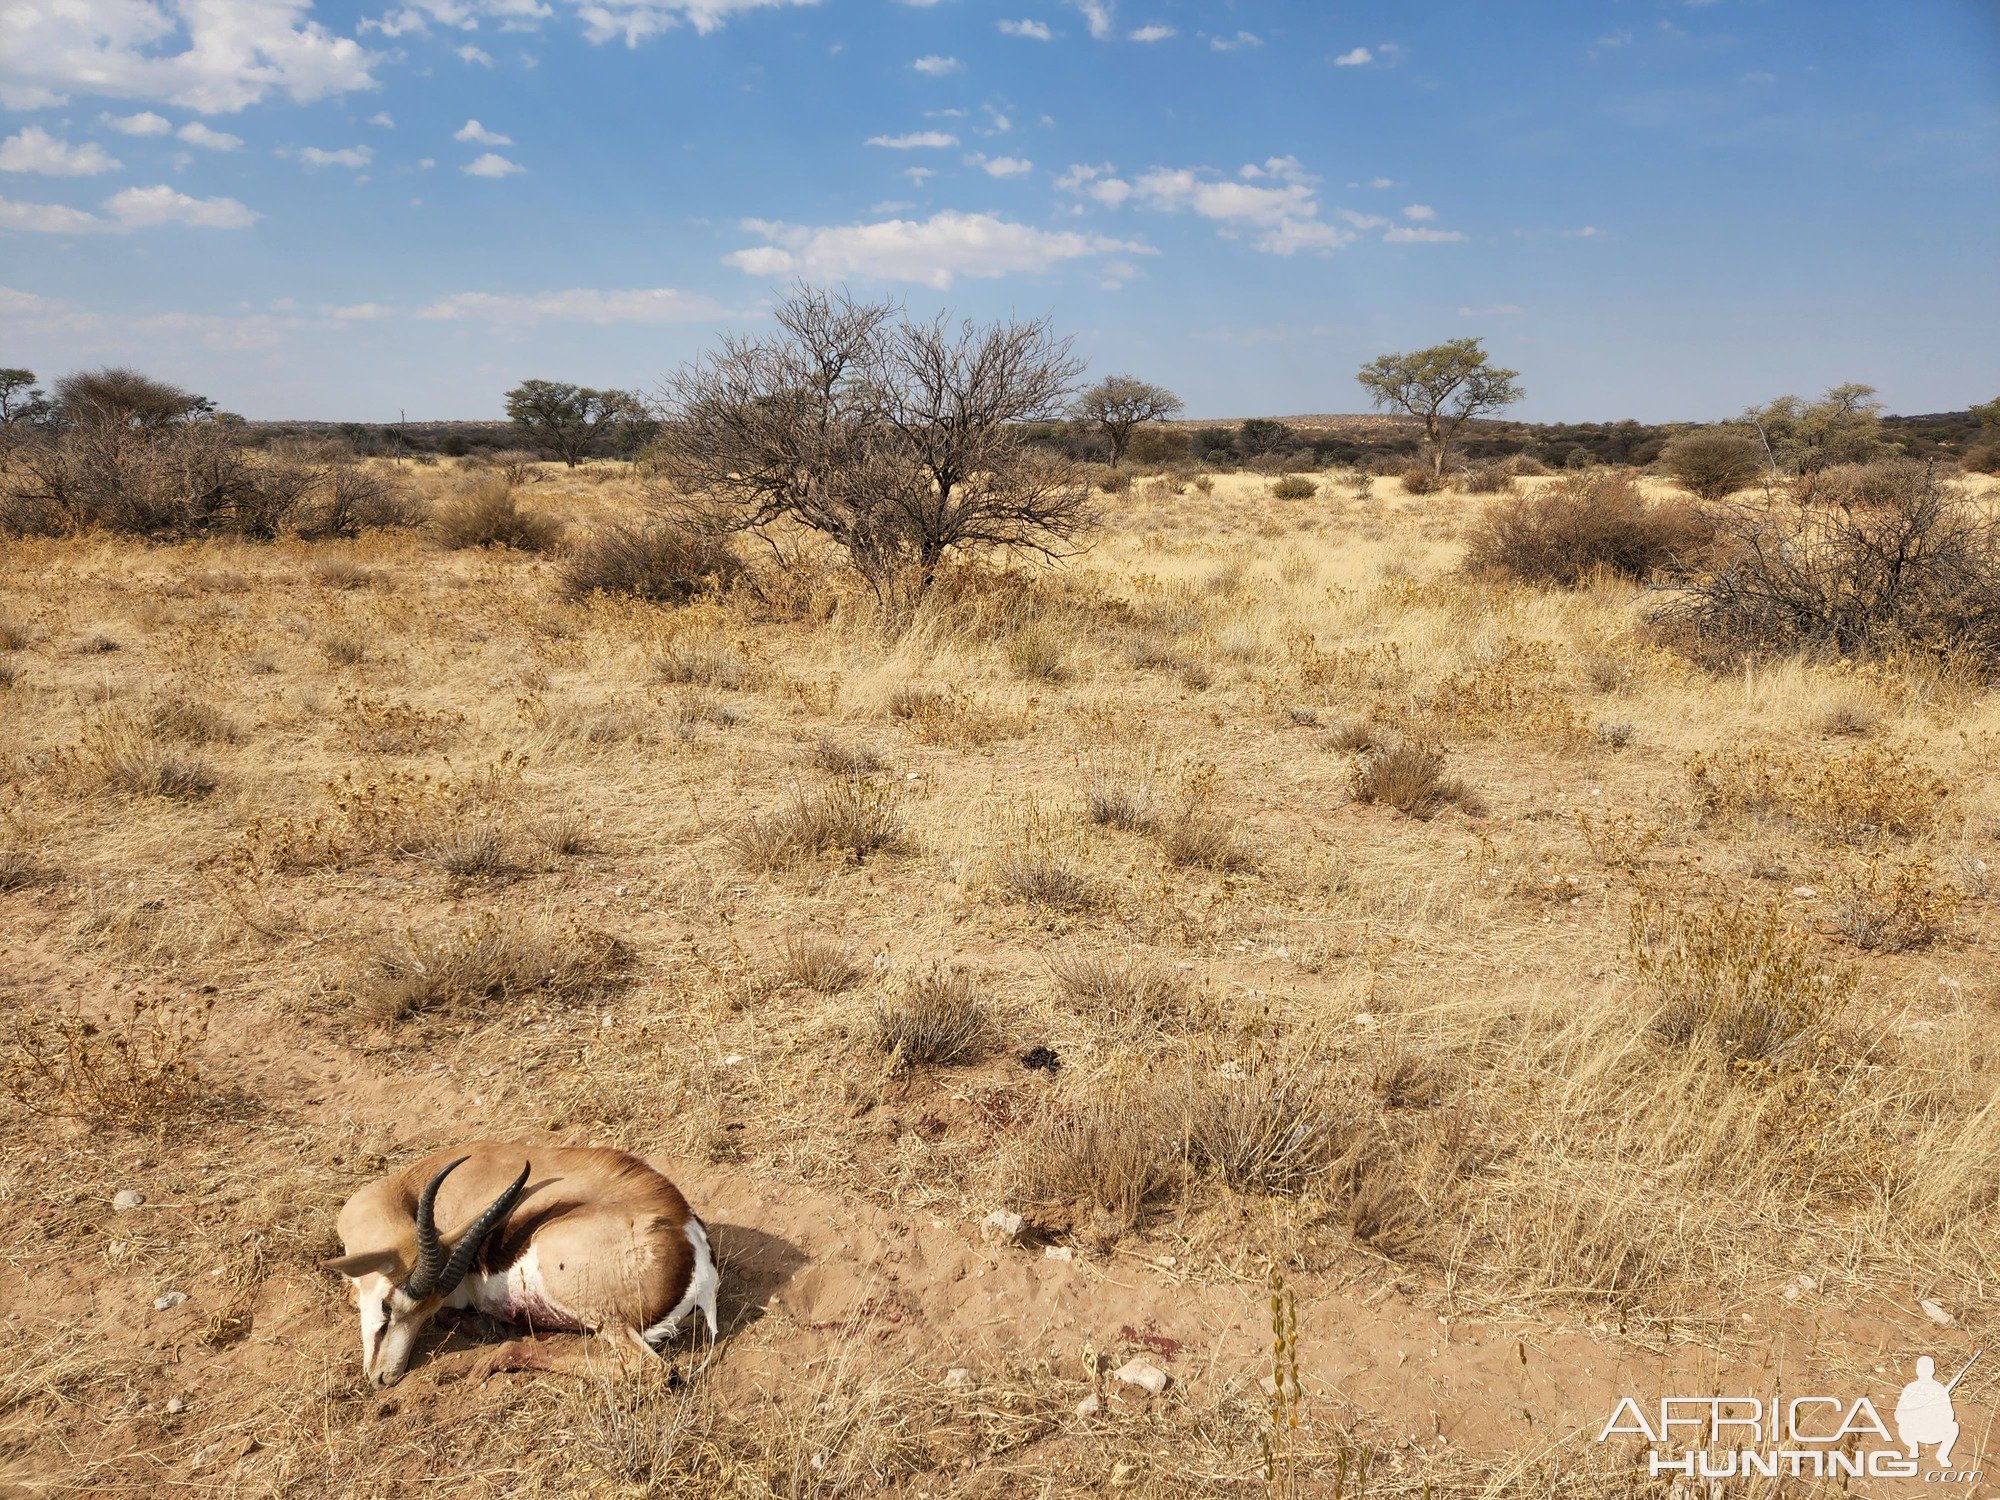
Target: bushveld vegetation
{"x": 1546, "y": 947}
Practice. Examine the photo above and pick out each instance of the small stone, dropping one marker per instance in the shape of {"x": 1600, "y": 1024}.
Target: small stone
{"x": 1090, "y": 1405}
{"x": 1792, "y": 1293}
{"x": 1807, "y": 1284}
{"x": 126, "y": 1200}
{"x": 1002, "y": 1225}
{"x": 168, "y": 1301}
{"x": 1805, "y": 892}
{"x": 175, "y": 1406}
{"x": 958, "y": 1378}
{"x": 1058, "y": 1252}
{"x": 1149, "y": 1378}
{"x": 1365, "y": 1020}
{"x": 1936, "y": 1313}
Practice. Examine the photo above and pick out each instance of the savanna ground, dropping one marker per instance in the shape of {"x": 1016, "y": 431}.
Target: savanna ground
{"x": 1651, "y": 1048}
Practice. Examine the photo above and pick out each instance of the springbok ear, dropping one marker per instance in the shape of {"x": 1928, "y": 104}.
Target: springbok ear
{"x": 385, "y": 1261}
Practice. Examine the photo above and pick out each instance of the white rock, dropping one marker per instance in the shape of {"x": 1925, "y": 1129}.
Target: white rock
{"x": 1090, "y": 1405}
{"x": 958, "y": 1378}
{"x": 169, "y": 1301}
{"x": 126, "y": 1200}
{"x": 175, "y": 1406}
{"x": 1935, "y": 1312}
{"x": 1002, "y": 1224}
{"x": 1364, "y": 1020}
{"x": 1058, "y": 1252}
{"x": 1805, "y": 892}
{"x": 1149, "y": 1378}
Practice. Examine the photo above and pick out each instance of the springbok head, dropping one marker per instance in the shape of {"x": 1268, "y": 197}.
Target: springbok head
{"x": 394, "y": 1312}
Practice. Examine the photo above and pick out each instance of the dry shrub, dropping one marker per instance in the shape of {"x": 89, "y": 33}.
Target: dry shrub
{"x": 854, "y": 817}
{"x": 1114, "y": 481}
{"x": 844, "y": 758}
{"x": 344, "y": 648}
{"x": 1110, "y": 801}
{"x": 1103, "y": 1162}
{"x": 662, "y": 562}
{"x": 1737, "y": 979}
{"x": 1265, "y": 1126}
{"x": 1043, "y": 875}
{"x": 395, "y": 813}
{"x": 1411, "y": 778}
{"x": 810, "y": 962}
{"x": 951, "y": 718}
{"x": 124, "y": 755}
{"x": 1713, "y": 465}
{"x": 465, "y": 970}
{"x": 388, "y": 726}
{"x": 177, "y": 716}
{"x": 1591, "y": 522}
{"x": 1889, "y": 559}
{"x": 1131, "y": 993}
{"x": 938, "y": 1021}
{"x": 1293, "y": 487}
{"x": 15, "y": 635}
{"x": 1525, "y": 466}
{"x": 1040, "y": 651}
{"x": 18, "y": 871}
{"x": 1874, "y": 791}
{"x": 135, "y": 1068}
{"x": 1486, "y": 479}
{"x": 485, "y": 511}
{"x": 191, "y": 479}
{"x": 701, "y": 663}
{"x": 1891, "y": 908}
{"x": 342, "y": 573}
{"x": 1196, "y": 838}
{"x": 1419, "y": 479}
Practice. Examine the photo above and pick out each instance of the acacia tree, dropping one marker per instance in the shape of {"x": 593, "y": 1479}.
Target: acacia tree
{"x": 1119, "y": 404}
{"x": 901, "y": 441}
{"x": 566, "y": 421}
{"x": 119, "y": 398}
{"x": 1803, "y": 437}
{"x": 1444, "y": 387}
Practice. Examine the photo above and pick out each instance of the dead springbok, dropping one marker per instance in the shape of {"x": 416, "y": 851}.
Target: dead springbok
{"x": 563, "y": 1238}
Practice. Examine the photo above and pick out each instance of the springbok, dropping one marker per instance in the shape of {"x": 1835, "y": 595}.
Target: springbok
{"x": 583, "y": 1239}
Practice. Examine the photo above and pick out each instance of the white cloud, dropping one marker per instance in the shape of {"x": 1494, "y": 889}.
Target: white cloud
{"x": 346, "y": 156}
{"x": 1100, "y": 183}
{"x": 1588, "y": 232}
{"x": 1235, "y": 43}
{"x": 492, "y": 164}
{"x": 920, "y": 175}
{"x": 916, "y": 140}
{"x": 932, "y": 252}
{"x": 1403, "y": 236}
{"x": 216, "y": 56}
{"x": 935, "y": 66}
{"x": 197, "y": 134}
{"x": 1154, "y": 33}
{"x": 133, "y": 208}
{"x": 1002, "y": 166}
{"x": 360, "y": 312}
{"x": 1381, "y": 182}
{"x": 479, "y": 135}
{"x": 1498, "y": 310}
{"x": 1421, "y": 213}
{"x": 1360, "y": 57}
{"x": 143, "y": 123}
{"x": 475, "y": 56}
{"x": 384, "y": 119}
{"x": 1275, "y": 199}
{"x": 1096, "y": 15}
{"x": 1033, "y": 31}
{"x": 632, "y": 21}
{"x": 579, "y": 305}
{"x": 33, "y": 149}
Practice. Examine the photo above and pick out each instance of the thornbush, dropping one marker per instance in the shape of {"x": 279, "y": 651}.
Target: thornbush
{"x": 1590, "y": 521}
{"x": 1419, "y": 480}
{"x": 1712, "y": 465}
{"x": 659, "y": 561}
{"x": 487, "y": 513}
{"x": 1893, "y": 559}
{"x": 1293, "y": 487}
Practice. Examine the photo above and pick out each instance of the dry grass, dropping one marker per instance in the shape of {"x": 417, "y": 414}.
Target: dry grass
{"x": 133, "y": 1068}
{"x": 1427, "y": 1066}
{"x": 1411, "y": 778}
{"x": 486, "y": 511}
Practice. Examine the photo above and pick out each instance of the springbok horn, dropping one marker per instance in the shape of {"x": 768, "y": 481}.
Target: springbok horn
{"x": 467, "y": 1248}
{"x": 430, "y": 1253}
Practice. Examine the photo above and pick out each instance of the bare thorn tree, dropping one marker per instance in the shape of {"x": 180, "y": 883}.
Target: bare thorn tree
{"x": 1119, "y": 404}
{"x": 900, "y": 441}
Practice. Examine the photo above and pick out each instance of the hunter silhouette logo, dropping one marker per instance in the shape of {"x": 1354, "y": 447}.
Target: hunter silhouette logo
{"x": 1924, "y": 1413}
{"x": 1816, "y": 1436}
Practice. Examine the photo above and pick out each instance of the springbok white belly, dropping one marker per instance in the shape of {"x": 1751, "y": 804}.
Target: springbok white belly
{"x": 517, "y": 1294}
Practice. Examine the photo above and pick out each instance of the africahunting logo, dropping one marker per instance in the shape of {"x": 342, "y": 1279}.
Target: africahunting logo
{"x": 1818, "y": 1437}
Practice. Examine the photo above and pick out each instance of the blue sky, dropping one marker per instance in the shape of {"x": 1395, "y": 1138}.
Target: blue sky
{"x": 1651, "y": 208}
